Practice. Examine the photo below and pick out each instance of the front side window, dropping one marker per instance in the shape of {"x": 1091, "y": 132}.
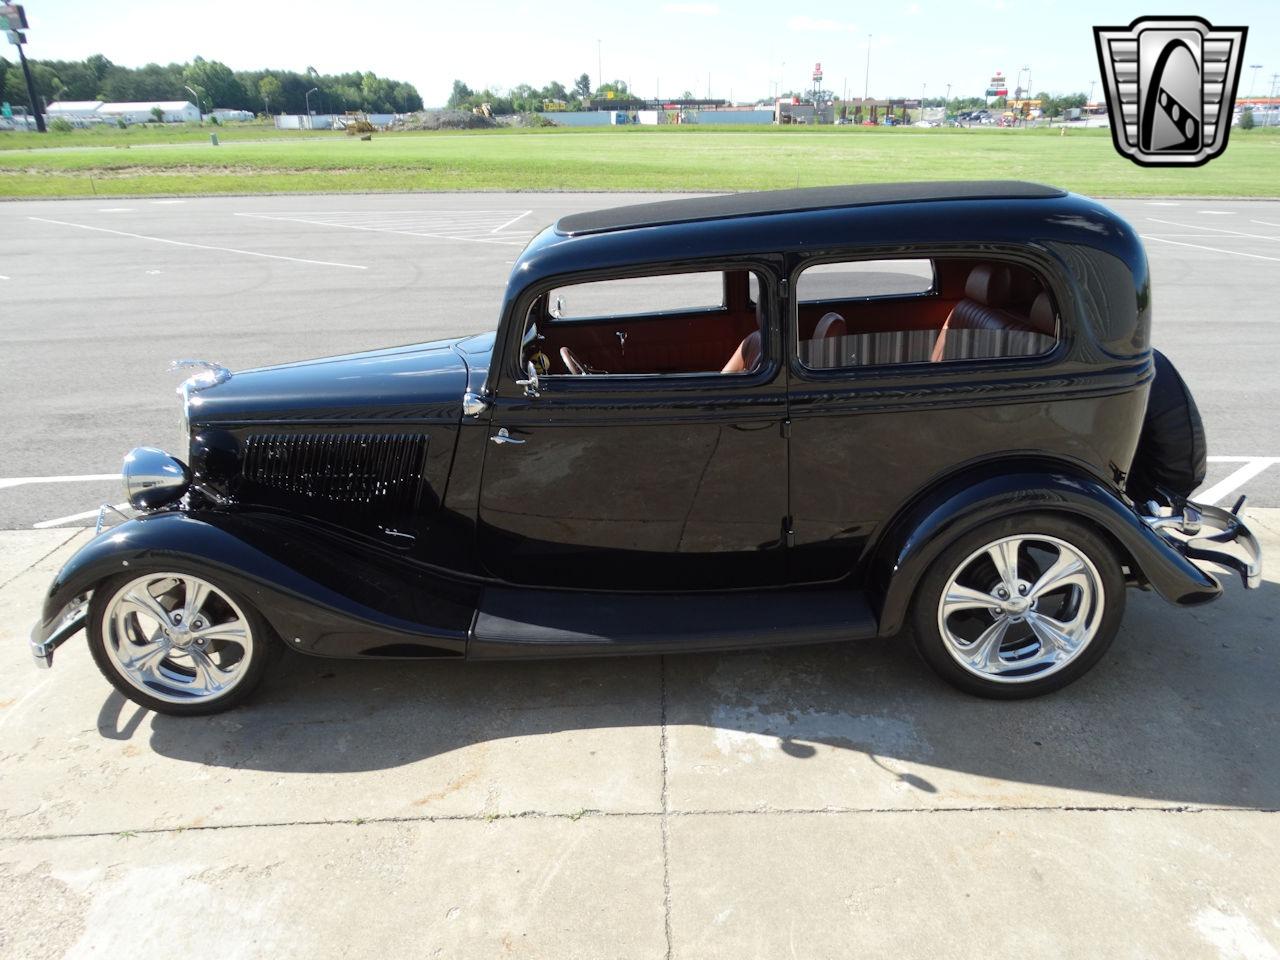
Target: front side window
{"x": 862, "y": 313}
{"x": 705, "y": 322}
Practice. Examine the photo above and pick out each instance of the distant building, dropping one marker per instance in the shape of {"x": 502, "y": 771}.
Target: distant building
{"x": 173, "y": 111}
{"x": 224, "y": 114}
{"x": 95, "y": 111}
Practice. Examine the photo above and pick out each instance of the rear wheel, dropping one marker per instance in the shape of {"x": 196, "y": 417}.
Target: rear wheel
{"x": 1020, "y": 607}
{"x": 177, "y": 642}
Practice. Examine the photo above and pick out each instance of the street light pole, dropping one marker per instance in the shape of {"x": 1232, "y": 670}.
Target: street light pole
{"x": 923, "y": 87}
{"x": 199, "y": 108}
{"x": 599, "y": 65}
{"x": 1253, "y": 81}
{"x": 307, "y": 99}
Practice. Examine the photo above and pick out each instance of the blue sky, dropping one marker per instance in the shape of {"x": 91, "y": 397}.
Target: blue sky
{"x": 658, "y": 47}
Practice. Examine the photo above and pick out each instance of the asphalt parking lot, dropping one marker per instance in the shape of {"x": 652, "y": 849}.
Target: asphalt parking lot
{"x": 817, "y": 802}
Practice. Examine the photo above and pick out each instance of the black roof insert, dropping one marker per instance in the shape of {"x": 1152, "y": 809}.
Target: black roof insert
{"x": 792, "y": 201}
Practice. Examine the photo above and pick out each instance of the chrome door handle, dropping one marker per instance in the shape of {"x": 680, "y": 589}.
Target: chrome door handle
{"x": 503, "y": 436}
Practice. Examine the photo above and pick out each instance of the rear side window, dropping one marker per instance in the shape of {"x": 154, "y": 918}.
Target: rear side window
{"x": 859, "y": 279}
{"x": 633, "y": 296}
{"x": 868, "y": 313}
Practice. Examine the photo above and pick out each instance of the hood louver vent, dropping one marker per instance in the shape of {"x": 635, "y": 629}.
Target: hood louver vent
{"x": 343, "y": 476}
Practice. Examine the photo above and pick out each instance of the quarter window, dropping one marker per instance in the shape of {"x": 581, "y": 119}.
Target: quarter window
{"x": 885, "y": 312}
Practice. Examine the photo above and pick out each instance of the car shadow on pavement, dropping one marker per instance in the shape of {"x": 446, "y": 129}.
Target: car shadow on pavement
{"x": 1182, "y": 710}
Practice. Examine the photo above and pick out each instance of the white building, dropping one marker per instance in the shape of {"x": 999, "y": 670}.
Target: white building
{"x": 227, "y": 113}
{"x": 95, "y": 111}
{"x": 174, "y": 111}
{"x": 73, "y": 110}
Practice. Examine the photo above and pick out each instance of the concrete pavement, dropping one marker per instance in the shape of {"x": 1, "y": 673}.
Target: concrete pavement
{"x": 818, "y": 802}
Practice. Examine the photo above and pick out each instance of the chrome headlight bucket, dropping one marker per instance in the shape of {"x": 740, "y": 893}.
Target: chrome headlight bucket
{"x": 153, "y": 479}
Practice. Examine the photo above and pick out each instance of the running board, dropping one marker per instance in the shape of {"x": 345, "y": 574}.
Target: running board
{"x": 513, "y": 624}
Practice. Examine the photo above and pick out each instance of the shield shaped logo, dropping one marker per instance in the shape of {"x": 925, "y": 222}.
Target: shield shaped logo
{"x": 1170, "y": 84}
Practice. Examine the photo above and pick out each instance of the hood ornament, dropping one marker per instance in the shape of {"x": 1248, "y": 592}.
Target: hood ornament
{"x": 211, "y": 374}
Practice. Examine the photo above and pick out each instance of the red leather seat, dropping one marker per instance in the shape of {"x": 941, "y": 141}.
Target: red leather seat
{"x": 986, "y": 295}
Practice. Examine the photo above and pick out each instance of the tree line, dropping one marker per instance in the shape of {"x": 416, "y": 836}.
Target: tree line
{"x": 525, "y": 98}
{"x": 216, "y": 85}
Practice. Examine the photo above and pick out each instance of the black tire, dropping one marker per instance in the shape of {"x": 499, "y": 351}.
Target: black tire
{"x": 925, "y": 616}
{"x": 259, "y": 636}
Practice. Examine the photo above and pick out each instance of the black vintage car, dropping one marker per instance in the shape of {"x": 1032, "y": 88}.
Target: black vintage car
{"x": 760, "y": 419}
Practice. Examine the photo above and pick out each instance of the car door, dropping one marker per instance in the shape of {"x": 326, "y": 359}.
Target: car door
{"x": 637, "y": 482}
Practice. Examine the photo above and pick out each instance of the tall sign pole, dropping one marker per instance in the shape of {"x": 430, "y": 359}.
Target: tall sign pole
{"x": 15, "y": 21}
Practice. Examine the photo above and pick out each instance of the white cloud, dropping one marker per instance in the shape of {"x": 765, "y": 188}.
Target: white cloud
{"x": 692, "y": 9}
{"x": 806, "y": 24}
{"x": 913, "y": 9}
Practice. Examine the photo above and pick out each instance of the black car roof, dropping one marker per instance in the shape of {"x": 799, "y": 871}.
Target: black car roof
{"x": 793, "y": 201}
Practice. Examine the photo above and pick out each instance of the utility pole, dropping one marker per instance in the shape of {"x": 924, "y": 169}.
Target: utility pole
{"x": 1253, "y": 81}
{"x": 1271, "y": 107}
{"x": 14, "y": 20}
{"x": 866, "y": 80}
{"x": 599, "y": 66}
{"x": 199, "y": 109}
{"x": 1092, "y": 84}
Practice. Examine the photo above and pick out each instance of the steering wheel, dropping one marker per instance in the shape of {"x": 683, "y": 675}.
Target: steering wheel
{"x": 574, "y": 365}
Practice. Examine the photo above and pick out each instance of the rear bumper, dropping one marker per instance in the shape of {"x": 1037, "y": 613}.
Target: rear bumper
{"x": 1210, "y": 534}
{"x": 47, "y": 637}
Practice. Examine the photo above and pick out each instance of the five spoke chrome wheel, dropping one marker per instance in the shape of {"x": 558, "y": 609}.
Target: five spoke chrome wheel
{"x": 177, "y": 637}
{"x": 1020, "y": 608}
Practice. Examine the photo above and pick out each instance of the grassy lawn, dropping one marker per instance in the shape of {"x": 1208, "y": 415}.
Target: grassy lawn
{"x": 157, "y": 161}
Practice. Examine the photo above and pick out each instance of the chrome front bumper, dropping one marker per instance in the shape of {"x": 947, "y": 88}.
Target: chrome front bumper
{"x": 45, "y": 641}
{"x": 1210, "y": 534}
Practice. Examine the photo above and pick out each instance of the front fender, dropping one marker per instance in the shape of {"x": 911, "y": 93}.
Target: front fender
{"x": 967, "y": 502}
{"x": 322, "y": 594}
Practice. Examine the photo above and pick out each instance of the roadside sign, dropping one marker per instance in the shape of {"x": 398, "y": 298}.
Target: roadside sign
{"x": 817, "y": 73}
{"x": 15, "y": 37}
{"x": 6, "y": 110}
{"x": 14, "y": 16}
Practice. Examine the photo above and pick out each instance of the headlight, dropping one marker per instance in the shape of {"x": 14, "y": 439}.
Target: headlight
{"x": 153, "y": 479}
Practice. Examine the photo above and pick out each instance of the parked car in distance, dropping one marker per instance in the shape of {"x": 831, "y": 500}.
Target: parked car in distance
{"x": 737, "y": 421}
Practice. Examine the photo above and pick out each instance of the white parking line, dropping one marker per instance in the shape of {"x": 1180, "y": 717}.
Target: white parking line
{"x": 1233, "y": 481}
{"x": 88, "y": 514}
{"x": 1198, "y": 246}
{"x": 202, "y": 246}
{"x": 1265, "y": 223}
{"x": 3, "y": 277}
{"x": 504, "y": 226}
{"x": 1217, "y": 213}
{"x": 1234, "y": 233}
{"x": 6, "y": 482}
{"x": 445, "y": 225}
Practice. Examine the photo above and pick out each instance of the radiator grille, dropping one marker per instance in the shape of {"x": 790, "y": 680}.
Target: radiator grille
{"x": 373, "y": 473}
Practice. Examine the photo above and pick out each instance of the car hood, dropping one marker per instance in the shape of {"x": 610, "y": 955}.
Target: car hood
{"x": 421, "y": 382}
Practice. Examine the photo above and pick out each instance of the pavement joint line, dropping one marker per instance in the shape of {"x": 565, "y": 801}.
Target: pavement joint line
{"x": 666, "y": 808}
{"x": 573, "y": 817}
{"x": 202, "y": 246}
{"x": 72, "y": 534}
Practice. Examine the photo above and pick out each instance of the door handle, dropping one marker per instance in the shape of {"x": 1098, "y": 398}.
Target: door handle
{"x": 502, "y": 436}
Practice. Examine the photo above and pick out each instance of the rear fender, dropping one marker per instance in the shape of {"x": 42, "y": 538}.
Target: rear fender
{"x": 966, "y": 502}
{"x": 321, "y": 594}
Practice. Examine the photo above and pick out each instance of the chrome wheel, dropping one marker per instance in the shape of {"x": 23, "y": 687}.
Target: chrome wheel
{"x": 1020, "y": 608}
{"x": 177, "y": 638}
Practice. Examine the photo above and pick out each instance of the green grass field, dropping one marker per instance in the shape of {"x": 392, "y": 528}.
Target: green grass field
{"x": 252, "y": 159}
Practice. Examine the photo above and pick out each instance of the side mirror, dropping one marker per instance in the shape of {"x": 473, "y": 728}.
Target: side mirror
{"x": 531, "y": 384}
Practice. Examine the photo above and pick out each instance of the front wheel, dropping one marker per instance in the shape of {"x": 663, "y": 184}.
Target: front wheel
{"x": 176, "y": 642}
{"x": 1020, "y": 607}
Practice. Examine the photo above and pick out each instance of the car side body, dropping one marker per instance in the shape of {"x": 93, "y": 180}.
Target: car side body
{"x": 452, "y": 500}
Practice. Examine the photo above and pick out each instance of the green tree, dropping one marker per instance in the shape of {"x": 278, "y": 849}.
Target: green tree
{"x": 157, "y": 114}
{"x": 1246, "y": 119}
{"x": 215, "y": 81}
{"x": 460, "y": 97}
{"x": 582, "y": 86}
{"x": 269, "y": 89}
